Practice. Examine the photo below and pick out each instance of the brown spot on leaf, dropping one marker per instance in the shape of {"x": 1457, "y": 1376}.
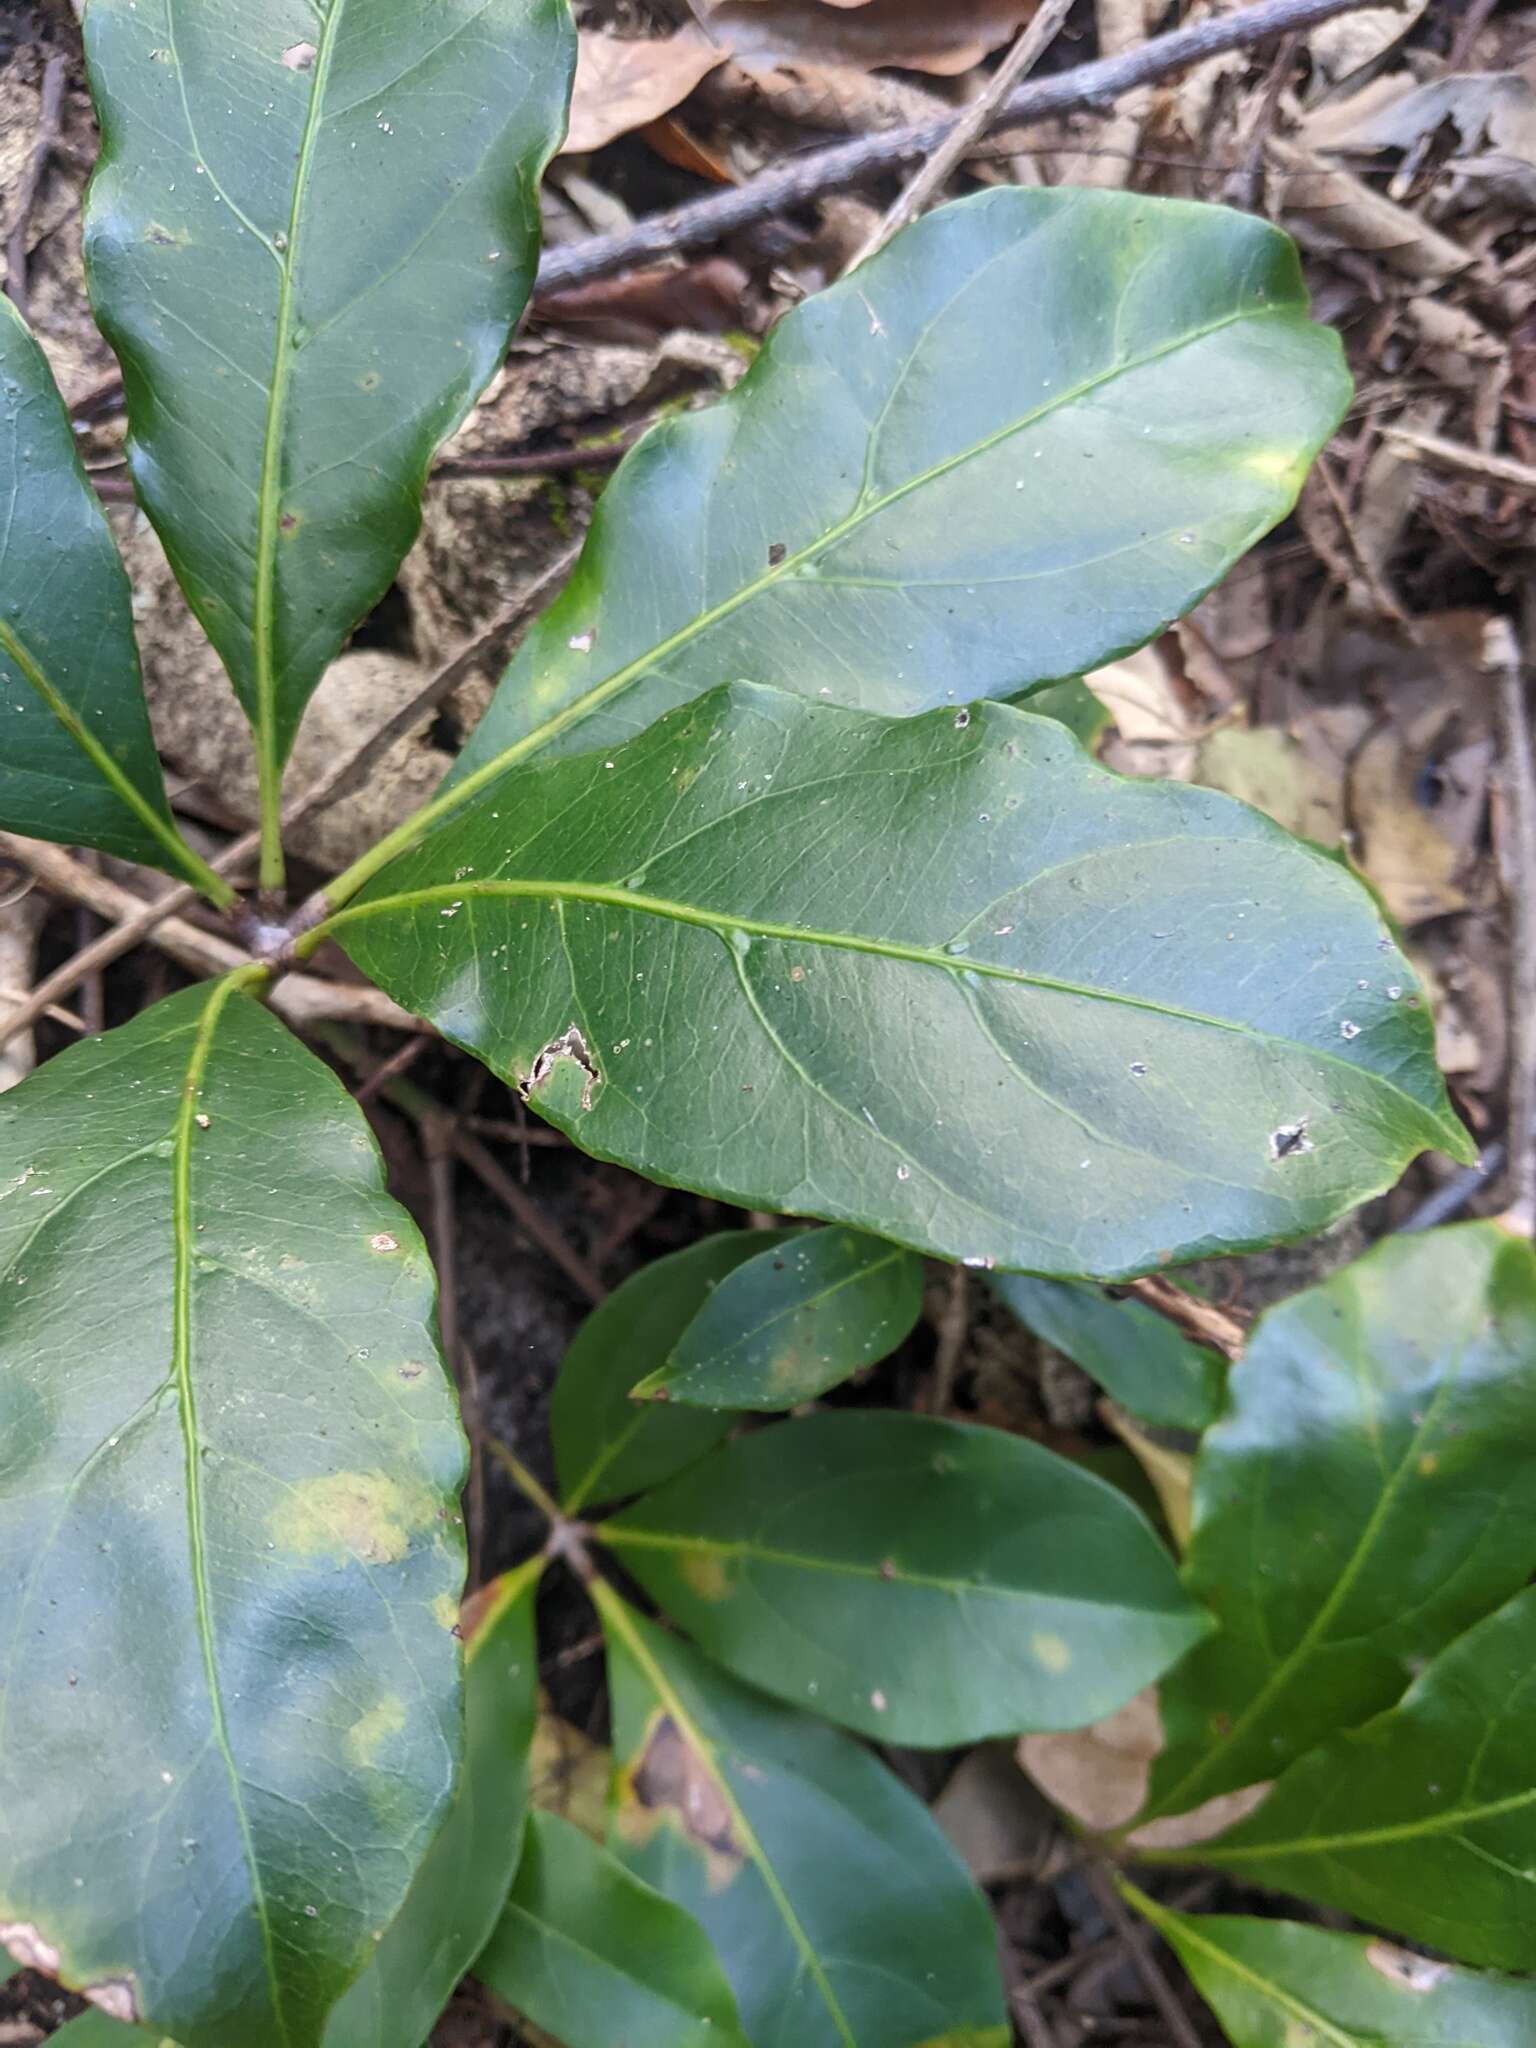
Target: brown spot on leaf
{"x": 570, "y": 1045}
{"x": 366, "y": 1515}
{"x": 1413, "y": 1973}
{"x": 29, "y": 1948}
{"x": 118, "y": 1998}
{"x": 300, "y": 56}
{"x": 707, "y": 1574}
{"x": 669, "y": 1784}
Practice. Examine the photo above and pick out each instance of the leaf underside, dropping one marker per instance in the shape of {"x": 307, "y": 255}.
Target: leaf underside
{"x": 310, "y": 231}
{"x": 229, "y": 1547}
{"x": 1135, "y": 1354}
{"x": 996, "y": 1003}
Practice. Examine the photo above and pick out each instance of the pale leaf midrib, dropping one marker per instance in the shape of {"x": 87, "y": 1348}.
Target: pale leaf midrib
{"x": 958, "y": 965}
{"x": 1362, "y": 1838}
{"x": 616, "y": 1535}
{"x": 592, "y": 700}
{"x": 613, "y": 1610}
{"x": 263, "y": 620}
{"x": 186, "y": 1401}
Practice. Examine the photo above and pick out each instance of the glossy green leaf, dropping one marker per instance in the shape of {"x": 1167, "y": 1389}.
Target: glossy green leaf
{"x": 792, "y": 1322}
{"x": 78, "y": 760}
{"x": 311, "y": 228}
{"x": 941, "y": 977}
{"x": 458, "y": 1893}
{"x": 1134, "y": 1353}
{"x": 1424, "y": 1820}
{"x": 1274, "y": 1984}
{"x": 1030, "y": 432}
{"x": 606, "y": 1445}
{"x": 1366, "y": 1497}
{"x": 842, "y": 1916}
{"x": 229, "y": 1548}
{"x": 921, "y": 1581}
{"x": 595, "y": 1957}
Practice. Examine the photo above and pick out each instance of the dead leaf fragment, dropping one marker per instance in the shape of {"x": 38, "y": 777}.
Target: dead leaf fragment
{"x": 622, "y": 83}
{"x": 912, "y": 34}
{"x": 1171, "y": 1472}
{"x": 1099, "y": 1774}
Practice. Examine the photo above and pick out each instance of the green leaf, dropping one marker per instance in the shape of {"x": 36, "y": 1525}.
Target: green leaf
{"x": 1424, "y": 1820}
{"x": 606, "y": 1445}
{"x": 941, "y": 977}
{"x": 96, "y": 2030}
{"x": 1134, "y": 1353}
{"x": 1365, "y": 1499}
{"x": 923, "y": 490}
{"x": 1073, "y": 705}
{"x": 792, "y": 1322}
{"x": 1274, "y": 1984}
{"x": 921, "y": 1581}
{"x": 79, "y": 761}
{"x": 593, "y": 1956}
{"x": 842, "y": 1916}
{"x": 229, "y": 1469}
{"x": 458, "y": 1892}
{"x": 309, "y": 233}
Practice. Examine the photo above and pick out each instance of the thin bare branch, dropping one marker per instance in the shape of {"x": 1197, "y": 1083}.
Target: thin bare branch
{"x": 141, "y": 921}
{"x": 1098, "y": 84}
{"x": 1037, "y": 35}
{"x": 300, "y": 999}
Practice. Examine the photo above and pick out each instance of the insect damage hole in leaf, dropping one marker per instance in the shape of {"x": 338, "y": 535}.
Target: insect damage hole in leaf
{"x": 570, "y": 1045}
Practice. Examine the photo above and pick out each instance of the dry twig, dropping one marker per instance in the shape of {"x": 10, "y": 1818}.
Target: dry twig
{"x": 1098, "y": 84}
{"x": 1181, "y": 2029}
{"x": 140, "y": 922}
{"x": 1038, "y": 33}
{"x": 301, "y": 999}
{"x": 1201, "y": 1321}
{"x": 1517, "y": 780}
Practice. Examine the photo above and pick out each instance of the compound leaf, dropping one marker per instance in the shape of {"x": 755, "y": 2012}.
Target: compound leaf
{"x": 229, "y": 1547}
{"x": 1274, "y": 1984}
{"x": 311, "y": 228}
{"x": 792, "y": 1322}
{"x": 606, "y": 1445}
{"x": 1134, "y": 1353}
{"x": 1365, "y": 1498}
{"x": 839, "y": 1911}
{"x": 998, "y": 1003}
{"x": 592, "y": 1955}
{"x": 1020, "y": 440}
{"x": 78, "y": 762}
{"x": 458, "y": 1893}
{"x": 1424, "y": 1820}
{"x": 918, "y": 1580}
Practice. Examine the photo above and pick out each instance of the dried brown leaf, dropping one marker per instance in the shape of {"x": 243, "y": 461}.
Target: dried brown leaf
{"x": 913, "y": 34}
{"x": 623, "y": 83}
